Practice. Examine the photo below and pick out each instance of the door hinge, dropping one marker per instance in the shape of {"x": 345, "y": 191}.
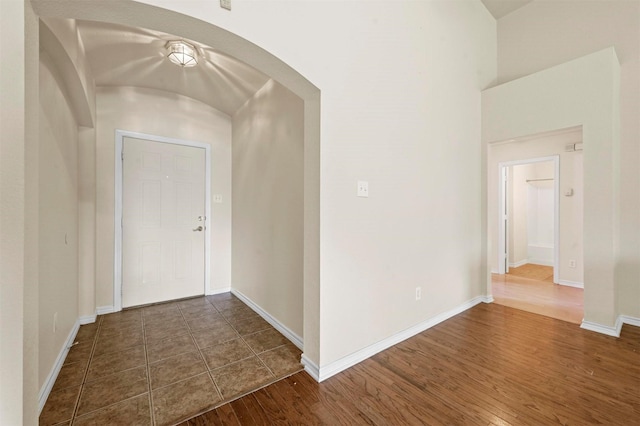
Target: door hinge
{"x": 122, "y": 155}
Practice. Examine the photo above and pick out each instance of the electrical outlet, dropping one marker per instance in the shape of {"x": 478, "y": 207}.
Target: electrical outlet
{"x": 572, "y": 263}
{"x": 418, "y": 293}
{"x": 217, "y": 198}
{"x": 55, "y": 322}
{"x": 363, "y": 188}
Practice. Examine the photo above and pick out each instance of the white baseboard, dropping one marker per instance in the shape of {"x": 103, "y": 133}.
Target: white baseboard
{"x": 611, "y": 330}
{"x": 487, "y": 299}
{"x": 102, "y": 310}
{"x": 323, "y": 373}
{"x": 218, "y": 291}
{"x": 53, "y": 374}
{"x": 626, "y": 319}
{"x": 88, "y": 319}
{"x": 294, "y": 338}
{"x": 603, "y": 329}
{"x": 310, "y": 367}
{"x": 518, "y": 264}
{"x": 542, "y": 262}
{"x": 571, "y": 283}
{"x": 494, "y": 271}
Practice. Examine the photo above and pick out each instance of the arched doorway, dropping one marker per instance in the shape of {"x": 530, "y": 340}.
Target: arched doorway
{"x": 145, "y": 16}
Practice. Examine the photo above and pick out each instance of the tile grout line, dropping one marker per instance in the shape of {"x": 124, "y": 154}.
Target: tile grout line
{"x": 256, "y": 355}
{"x": 206, "y": 366}
{"x": 86, "y": 372}
{"x": 224, "y": 317}
{"x": 209, "y": 371}
{"x": 148, "y": 367}
{"x": 252, "y": 350}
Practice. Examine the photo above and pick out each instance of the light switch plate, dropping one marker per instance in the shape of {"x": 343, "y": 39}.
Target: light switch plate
{"x": 217, "y": 198}
{"x": 363, "y": 188}
{"x": 225, "y": 4}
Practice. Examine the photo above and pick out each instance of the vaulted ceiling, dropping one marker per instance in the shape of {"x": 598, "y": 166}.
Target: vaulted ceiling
{"x": 500, "y": 8}
{"x": 125, "y": 56}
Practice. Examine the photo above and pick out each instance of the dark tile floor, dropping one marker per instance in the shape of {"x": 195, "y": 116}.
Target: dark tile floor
{"x": 162, "y": 364}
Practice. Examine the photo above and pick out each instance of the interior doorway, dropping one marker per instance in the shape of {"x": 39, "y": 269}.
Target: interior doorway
{"x": 538, "y": 232}
{"x": 529, "y": 214}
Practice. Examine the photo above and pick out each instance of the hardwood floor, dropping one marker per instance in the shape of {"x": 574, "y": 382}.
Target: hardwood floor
{"x": 538, "y": 296}
{"x": 533, "y": 272}
{"x": 489, "y": 365}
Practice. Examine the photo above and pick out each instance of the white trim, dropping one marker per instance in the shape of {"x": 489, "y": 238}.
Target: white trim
{"x": 611, "y": 330}
{"x": 310, "y": 367}
{"x": 556, "y": 214}
{"x": 45, "y": 390}
{"x": 518, "y": 264}
{"x": 542, "y": 262}
{"x": 493, "y": 271}
{"x": 218, "y": 291}
{"x": 102, "y": 310}
{"x": 88, "y": 319}
{"x": 487, "y": 299}
{"x": 293, "y": 337}
{"x": 117, "y": 264}
{"x": 568, "y": 283}
{"x": 359, "y": 356}
{"x": 503, "y": 228}
{"x": 626, "y": 319}
{"x": 603, "y": 329}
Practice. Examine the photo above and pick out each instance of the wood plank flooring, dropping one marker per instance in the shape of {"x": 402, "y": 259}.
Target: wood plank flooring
{"x": 489, "y": 365}
{"x": 533, "y": 272}
{"x": 540, "y": 297}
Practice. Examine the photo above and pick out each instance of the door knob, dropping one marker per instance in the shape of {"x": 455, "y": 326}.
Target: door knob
{"x": 199, "y": 228}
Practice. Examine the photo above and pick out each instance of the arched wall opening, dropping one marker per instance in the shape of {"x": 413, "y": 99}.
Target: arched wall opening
{"x": 145, "y": 16}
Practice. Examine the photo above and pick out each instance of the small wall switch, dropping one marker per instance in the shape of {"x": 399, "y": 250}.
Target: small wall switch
{"x": 363, "y": 188}
{"x": 217, "y": 198}
{"x": 225, "y": 4}
{"x": 418, "y": 293}
{"x": 572, "y": 263}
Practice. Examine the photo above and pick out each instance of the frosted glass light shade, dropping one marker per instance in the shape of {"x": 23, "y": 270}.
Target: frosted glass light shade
{"x": 182, "y": 53}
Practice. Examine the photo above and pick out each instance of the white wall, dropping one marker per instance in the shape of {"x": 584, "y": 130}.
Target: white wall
{"x": 540, "y": 213}
{"x": 545, "y": 33}
{"x": 268, "y": 172}
{"x": 19, "y": 110}
{"x": 517, "y": 213}
{"x": 58, "y": 219}
{"x": 169, "y": 115}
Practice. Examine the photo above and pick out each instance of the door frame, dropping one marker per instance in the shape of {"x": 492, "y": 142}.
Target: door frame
{"x": 503, "y": 222}
{"x": 117, "y": 260}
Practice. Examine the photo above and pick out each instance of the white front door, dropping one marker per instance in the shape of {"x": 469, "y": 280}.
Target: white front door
{"x": 163, "y": 220}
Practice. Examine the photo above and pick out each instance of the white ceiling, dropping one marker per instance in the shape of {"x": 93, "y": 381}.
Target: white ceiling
{"x": 500, "y": 8}
{"x": 125, "y": 56}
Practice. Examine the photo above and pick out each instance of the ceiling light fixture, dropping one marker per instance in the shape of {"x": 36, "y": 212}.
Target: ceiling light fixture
{"x": 182, "y": 53}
